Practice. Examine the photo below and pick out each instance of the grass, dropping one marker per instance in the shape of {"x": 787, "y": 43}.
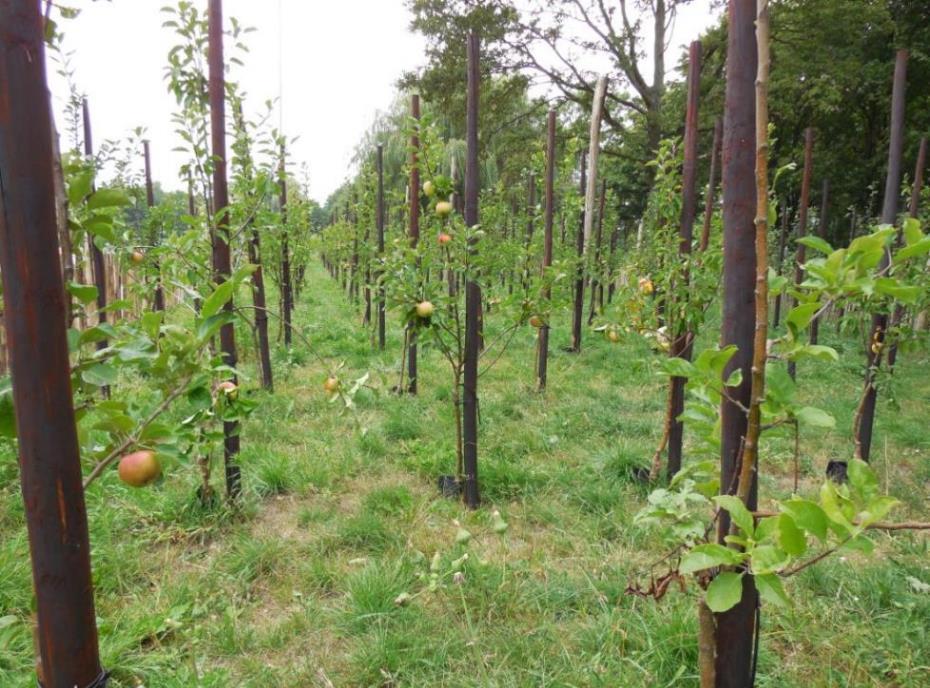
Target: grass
{"x": 341, "y": 515}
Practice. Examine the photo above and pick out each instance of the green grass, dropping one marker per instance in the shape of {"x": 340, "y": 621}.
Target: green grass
{"x": 341, "y": 515}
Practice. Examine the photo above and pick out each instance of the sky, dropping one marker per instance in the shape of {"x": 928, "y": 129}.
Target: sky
{"x": 334, "y": 65}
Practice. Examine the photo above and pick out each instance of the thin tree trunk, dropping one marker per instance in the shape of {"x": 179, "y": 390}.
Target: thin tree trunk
{"x": 414, "y": 200}
{"x": 803, "y": 207}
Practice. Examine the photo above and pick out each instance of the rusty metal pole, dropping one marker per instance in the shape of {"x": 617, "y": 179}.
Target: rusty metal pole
{"x": 866, "y": 415}
{"x": 803, "y": 207}
{"x": 734, "y": 633}
{"x": 379, "y": 210}
{"x": 159, "y": 302}
{"x": 96, "y": 255}
{"x": 913, "y": 208}
{"x": 472, "y": 289}
{"x": 414, "y": 229}
{"x": 683, "y": 337}
{"x": 49, "y": 455}
{"x": 287, "y": 289}
{"x": 222, "y": 263}
{"x": 543, "y": 360}
{"x": 711, "y": 184}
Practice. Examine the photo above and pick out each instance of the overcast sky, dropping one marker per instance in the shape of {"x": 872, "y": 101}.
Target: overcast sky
{"x": 341, "y": 60}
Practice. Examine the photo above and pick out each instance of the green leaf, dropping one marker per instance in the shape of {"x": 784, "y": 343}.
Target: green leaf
{"x": 725, "y": 591}
{"x": 801, "y": 316}
{"x": 108, "y": 198}
{"x": 708, "y": 556}
{"x": 738, "y": 512}
{"x": 100, "y": 375}
{"x": 790, "y": 537}
{"x": 771, "y": 589}
{"x": 768, "y": 559}
{"x": 807, "y": 515}
{"x": 862, "y": 479}
{"x": 678, "y": 367}
{"x": 814, "y": 417}
{"x": 922, "y": 247}
{"x": 817, "y": 244}
{"x": 893, "y": 288}
{"x": 817, "y": 351}
{"x": 85, "y": 293}
{"x": 79, "y": 187}
{"x": 911, "y": 231}
{"x": 7, "y": 411}
{"x": 217, "y": 299}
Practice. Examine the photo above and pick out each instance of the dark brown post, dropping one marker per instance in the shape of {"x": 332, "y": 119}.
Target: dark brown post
{"x": 682, "y": 342}
{"x": 472, "y": 289}
{"x": 595, "y": 272}
{"x": 711, "y": 184}
{"x": 287, "y": 290}
{"x": 913, "y": 209}
{"x": 866, "y": 415}
{"x": 414, "y": 192}
{"x": 578, "y": 306}
{"x": 49, "y": 455}
{"x": 222, "y": 263}
{"x": 782, "y": 247}
{"x": 803, "y": 207}
{"x": 379, "y": 219}
{"x": 96, "y": 255}
{"x": 734, "y": 633}
{"x": 159, "y": 304}
{"x": 822, "y": 233}
{"x": 543, "y": 361}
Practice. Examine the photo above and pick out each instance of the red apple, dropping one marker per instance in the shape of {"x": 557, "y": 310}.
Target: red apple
{"x": 139, "y": 468}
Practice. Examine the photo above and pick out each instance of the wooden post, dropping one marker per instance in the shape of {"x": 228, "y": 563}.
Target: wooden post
{"x": 865, "y": 416}
{"x": 683, "y": 338}
{"x": 96, "y": 255}
{"x": 913, "y": 209}
{"x": 34, "y": 301}
{"x": 578, "y": 306}
{"x": 159, "y": 302}
{"x": 414, "y": 200}
{"x": 287, "y": 291}
{"x": 734, "y": 632}
{"x": 711, "y": 185}
{"x": 222, "y": 264}
{"x": 803, "y": 207}
{"x": 379, "y": 210}
{"x": 822, "y": 233}
{"x": 543, "y": 360}
{"x": 472, "y": 289}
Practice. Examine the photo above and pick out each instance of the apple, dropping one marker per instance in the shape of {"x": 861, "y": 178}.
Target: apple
{"x": 229, "y": 388}
{"x": 537, "y": 321}
{"x": 429, "y": 188}
{"x": 332, "y": 384}
{"x": 137, "y": 257}
{"x": 443, "y": 208}
{"x": 425, "y": 309}
{"x": 139, "y": 468}
{"x": 613, "y": 336}
{"x": 444, "y": 238}
{"x": 646, "y": 287}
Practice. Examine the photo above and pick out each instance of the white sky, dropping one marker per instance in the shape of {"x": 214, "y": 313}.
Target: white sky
{"x": 341, "y": 61}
